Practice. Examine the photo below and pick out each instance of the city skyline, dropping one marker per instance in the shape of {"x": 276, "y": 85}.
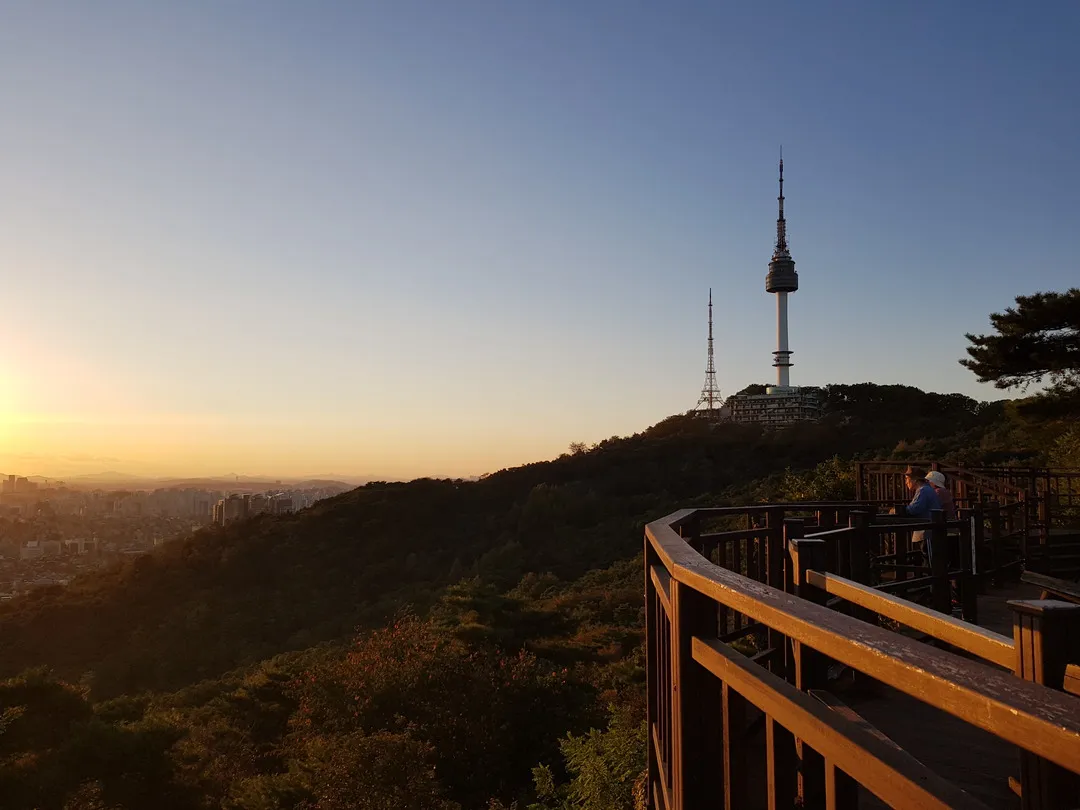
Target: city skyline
{"x": 408, "y": 240}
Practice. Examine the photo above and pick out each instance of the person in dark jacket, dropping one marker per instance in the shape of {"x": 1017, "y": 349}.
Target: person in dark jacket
{"x": 923, "y": 501}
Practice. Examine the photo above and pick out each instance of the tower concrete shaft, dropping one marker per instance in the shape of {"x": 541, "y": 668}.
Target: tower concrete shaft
{"x": 781, "y": 280}
{"x": 782, "y": 355}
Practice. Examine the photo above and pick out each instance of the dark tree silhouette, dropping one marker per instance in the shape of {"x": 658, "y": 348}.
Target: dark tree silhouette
{"x": 1037, "y": 339}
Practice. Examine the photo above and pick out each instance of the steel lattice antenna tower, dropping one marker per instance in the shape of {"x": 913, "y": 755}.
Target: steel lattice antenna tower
{"x": 710, "y": 400}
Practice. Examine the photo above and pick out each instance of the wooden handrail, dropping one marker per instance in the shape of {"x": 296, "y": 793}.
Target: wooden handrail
{"x": 828, "y": 533}
{"x": 990, "y": 646}
{"x": 738, "y": 534}
{"x": 662, "y": 581}
{"x": 679, "y": 518}
{"x": 883, "y": 769}
{"x": 1072, "y": 679}
{"x": 1025, "y": 714}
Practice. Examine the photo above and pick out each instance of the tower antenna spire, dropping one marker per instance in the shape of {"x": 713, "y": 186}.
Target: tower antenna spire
{"x": 781, "y": 224}
{"x": 709, "y": 402}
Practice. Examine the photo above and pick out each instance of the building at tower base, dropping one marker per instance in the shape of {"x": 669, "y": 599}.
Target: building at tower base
{"x": 777, "y": 407}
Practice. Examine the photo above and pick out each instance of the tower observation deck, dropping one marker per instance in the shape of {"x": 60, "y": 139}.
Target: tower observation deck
{"x": 781, "y": 280}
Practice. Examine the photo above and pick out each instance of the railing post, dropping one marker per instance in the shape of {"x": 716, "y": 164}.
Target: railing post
{"x": 774, "y": 576}
{"x": 827, "y": 522}
{"x": 937, "y": 541}
{"x": 793, "y": 530}
{"x": 901, "y": 547}
{"x": 774, "y": 521}
{"x": 859, "y": 559}
{"x": 811, "y": 667}
{"x": 1046, "y": 634}
{"x": 698, "y": 742}
{"x": 808, "y": 555}
{"x": 690, "y": 531}
{"x": 859, "y": 547}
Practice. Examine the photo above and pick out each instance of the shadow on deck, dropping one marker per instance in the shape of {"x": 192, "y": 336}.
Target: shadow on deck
{"x": 973, "y": 760}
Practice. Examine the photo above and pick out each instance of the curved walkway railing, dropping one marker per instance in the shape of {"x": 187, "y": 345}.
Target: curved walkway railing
{"x": 758, "y": 631}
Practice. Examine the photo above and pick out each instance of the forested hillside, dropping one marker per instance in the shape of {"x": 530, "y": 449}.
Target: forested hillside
{"x": 417, "y": 645}
{"x": 232, "y": 596}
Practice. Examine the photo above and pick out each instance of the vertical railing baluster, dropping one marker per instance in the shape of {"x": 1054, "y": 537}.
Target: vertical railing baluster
{"x": 734, "y": 755}
{"x": 780, "y": 766}
{"x": 774, "y": 567}
{"x": 665, "y": 697}
{"x": 841, "y": 791}
{"x": 859, "y": 558}
{"x": 936, "y": 540}
{"x": 811, "y": 667}
{"x": 697, "y": 742}
{"x": 651, "y": 684}
{"x": 902, "y": 549}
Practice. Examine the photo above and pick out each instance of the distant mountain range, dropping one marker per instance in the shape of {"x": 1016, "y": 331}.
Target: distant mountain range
{"x": 115, "y": 478}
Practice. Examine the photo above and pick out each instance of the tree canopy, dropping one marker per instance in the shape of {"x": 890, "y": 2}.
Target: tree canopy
{"x": 1037, "y": 339}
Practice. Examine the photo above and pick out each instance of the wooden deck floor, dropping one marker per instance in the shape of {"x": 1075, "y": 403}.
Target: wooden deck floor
{"x": 972, "y": 759}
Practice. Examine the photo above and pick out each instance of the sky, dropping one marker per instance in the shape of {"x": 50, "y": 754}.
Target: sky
{"x": 431, "y": 238}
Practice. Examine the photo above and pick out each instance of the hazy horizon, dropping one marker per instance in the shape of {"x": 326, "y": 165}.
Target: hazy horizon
{"x": 82, "y": 467}
{"x": 444, "y": 239}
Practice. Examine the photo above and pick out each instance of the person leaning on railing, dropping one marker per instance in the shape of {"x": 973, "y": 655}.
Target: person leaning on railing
{"x": 924, "y": 501}
{"x": 937, "y": 481}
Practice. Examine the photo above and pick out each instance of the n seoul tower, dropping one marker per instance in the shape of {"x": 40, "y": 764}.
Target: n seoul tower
{"x": 781, "y": 280}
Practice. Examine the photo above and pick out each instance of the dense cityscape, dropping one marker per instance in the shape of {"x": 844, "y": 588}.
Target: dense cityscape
{"x": 50, "y": 531}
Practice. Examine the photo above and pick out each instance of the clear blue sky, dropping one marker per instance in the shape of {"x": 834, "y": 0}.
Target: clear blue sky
{"x": 445, "y": 237}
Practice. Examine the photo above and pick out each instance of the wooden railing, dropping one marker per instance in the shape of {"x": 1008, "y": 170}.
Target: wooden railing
{"x": 1043, "y": 504}
{"x": 755, "y": 631}
{"x": 1054, "y": 493}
